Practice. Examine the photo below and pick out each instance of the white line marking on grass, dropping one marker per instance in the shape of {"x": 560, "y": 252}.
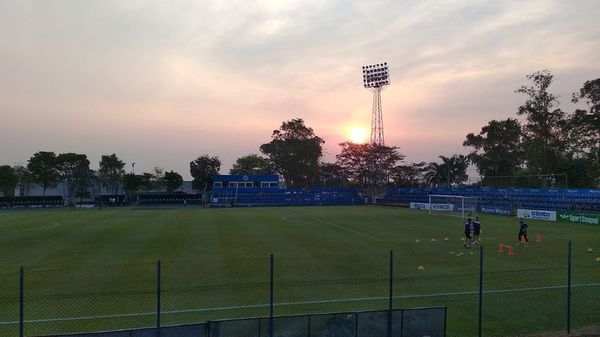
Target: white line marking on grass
{"x": 285, "y": 219}
{"x": 356, "y": 299}
{"x": 349, "y": 229}
{"x": 42, "y": 227}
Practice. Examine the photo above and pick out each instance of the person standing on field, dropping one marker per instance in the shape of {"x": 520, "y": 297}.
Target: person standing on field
{"x": 523, "y": 232}
{"x": 468, "y": 237}
{"x": 476, "y": 230}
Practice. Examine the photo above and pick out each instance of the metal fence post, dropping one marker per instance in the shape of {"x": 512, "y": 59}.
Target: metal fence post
{"x": 271, "y": 297}
{"x": 158, "y": 294}
{"x": 569, "y": 270}
{"x": 21, "y": 302}
{"x": 480, "y": 290}
{"x": 391, "y": 293}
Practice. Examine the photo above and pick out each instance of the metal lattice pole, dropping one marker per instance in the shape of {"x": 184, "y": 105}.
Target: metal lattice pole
{"x": 377, "y": 136}
{"x": 375, "y": 78}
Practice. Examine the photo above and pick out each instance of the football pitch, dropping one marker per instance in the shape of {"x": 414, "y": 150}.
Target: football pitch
{"x": 92, "y": 270}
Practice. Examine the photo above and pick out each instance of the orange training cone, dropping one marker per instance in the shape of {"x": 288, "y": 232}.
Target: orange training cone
{"x": 500, "y": 248}
{"x": 511, "y": 252}
{"x": 538, "y": 238}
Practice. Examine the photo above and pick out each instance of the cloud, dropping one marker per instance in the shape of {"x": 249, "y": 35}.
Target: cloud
{"x": 219, "y": 76}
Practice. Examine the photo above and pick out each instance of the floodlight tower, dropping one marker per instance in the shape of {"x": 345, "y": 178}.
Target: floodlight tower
{"x": 375, "y": 77}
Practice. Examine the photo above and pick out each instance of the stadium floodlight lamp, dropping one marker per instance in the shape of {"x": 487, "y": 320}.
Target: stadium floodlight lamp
{"x": 376, "y": 75}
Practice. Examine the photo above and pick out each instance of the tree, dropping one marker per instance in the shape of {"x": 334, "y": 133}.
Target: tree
{"x": 331, "y": 175}
{"x": 25, "y": 180}
{"x": 172, "y": 180}
{"x": 111, "y": 172}
{"x": 368, "y": 166}
{"x": 453, "y": 170}
{"x": 203, "y": 169}
{"x": 544, "y": 136}
{"x": 43, "y": 169}
{"x": 252, "y": 164}
{"x": 413, "y": 175}
{"x": 8, "y": 180}
{"x": 131, "y": 183}
{"x": 74, "y": 170}
{"x": 584, "y": 128}
{"x": 157, "y": 179}
{"x": 294, "y": 151}
{"x": 147, "y": 181}
{"x": 432, "y": 177}
{"x": 497, "y": 148}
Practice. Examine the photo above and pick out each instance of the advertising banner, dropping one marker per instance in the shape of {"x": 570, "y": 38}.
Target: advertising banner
{"x": 495, "y": 210}
{"x": 578, "y": 218}
{"x": 536, "y": 214}
{"x": 419, "y": 205}
{"x": 434, "y": 207}
{"x": 442, "y": 207}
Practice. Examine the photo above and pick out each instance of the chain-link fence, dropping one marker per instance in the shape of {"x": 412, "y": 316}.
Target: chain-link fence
{"x": 488, "y": 297}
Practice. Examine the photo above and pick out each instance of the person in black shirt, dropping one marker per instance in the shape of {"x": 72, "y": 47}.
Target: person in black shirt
{"x": 476, "y": 230}
{"x": 523, "y": 232}
{"x": 468, "y": 237}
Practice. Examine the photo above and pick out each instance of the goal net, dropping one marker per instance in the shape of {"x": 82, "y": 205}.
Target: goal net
{"x": 454, "y": 204}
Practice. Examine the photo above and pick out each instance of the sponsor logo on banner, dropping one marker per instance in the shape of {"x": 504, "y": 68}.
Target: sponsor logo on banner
{"x": 536, "y": 214}
{"x": 434, "y": 207}
{"x": 494, "y": 210}
{"x": 578, "y": 218}
{"x": 419, "y": 205}
{"x": 442, "y": 207}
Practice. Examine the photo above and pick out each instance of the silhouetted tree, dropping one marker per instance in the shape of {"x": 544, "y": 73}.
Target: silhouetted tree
{"x": 203, "y": 169}
{"x": 8, "y": 180}
{"x": 544, "y": 133}
{"x": 497, "y": 148}
{"x": 111, "y": 172}
{"x": 74, "y": 170}
{"x": 252, "y": 164}
{"x": 368, "y": 166}
{"x": 43, "y": 168}
{"x": 172, "y": 180}
{"x": 294, "y": 151}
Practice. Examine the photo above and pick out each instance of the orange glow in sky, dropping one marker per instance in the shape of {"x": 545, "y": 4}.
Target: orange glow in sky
{"x": 161, "y": 83}
{"x": 358, "y": 135}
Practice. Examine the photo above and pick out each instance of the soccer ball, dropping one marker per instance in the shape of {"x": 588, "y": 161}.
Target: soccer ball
{"x": 590, "y": 250}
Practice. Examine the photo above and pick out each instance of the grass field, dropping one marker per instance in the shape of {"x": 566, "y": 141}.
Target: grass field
{"x": 90, "y": 270}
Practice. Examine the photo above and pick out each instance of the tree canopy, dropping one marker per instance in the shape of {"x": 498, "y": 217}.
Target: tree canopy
{"x": 497, "y": 148}
{"x": 111, "y": 172}
{"x": 172, "y": 180}
{"x": 544, "y": 131}
{"x": 294, "y": 151}
{"x": 74, "y": 170}
{"x": 8, "y": 180}
{"x": 251, "y": 164}
{"x": 203, "y": 169}
{"x": 43, "y": 168}
{"x": 368, "y": 165}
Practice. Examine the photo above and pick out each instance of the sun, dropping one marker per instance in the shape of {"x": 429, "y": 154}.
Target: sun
{"x": 358, "y": 135}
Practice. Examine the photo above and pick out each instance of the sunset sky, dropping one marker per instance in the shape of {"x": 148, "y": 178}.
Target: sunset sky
{"x": 162, "y": 82}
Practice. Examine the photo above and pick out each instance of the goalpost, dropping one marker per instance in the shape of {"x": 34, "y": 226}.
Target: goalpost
{"x": 456, "y": 204}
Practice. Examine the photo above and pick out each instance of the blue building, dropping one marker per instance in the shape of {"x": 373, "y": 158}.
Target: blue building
{"x": 246, "y": 181}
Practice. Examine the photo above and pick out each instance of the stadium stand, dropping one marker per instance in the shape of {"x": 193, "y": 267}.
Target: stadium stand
{"x": 32, "y": 202}
{"x": 110, "y": 200}
{"x": 266, "y": 190}
{"x": 583, "y": 200}
{"x": 284, "y": 197}
{"x": 173, "y": 199}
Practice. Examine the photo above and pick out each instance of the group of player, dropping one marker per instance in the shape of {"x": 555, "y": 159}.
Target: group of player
{"x": 473, "y": 232}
